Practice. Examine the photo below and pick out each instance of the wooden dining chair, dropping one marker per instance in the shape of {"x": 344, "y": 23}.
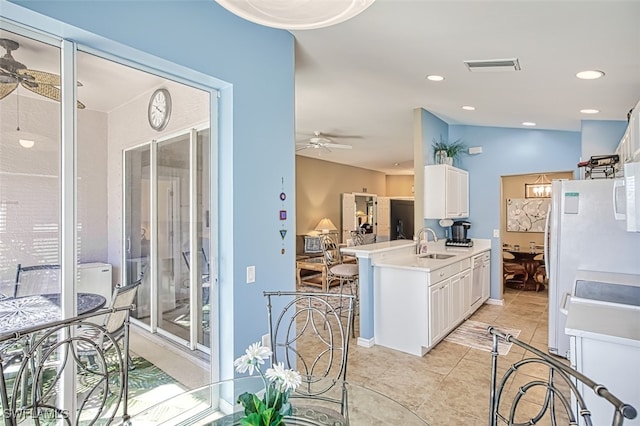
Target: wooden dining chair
{"x": 308, "y": 333}
{"x": 541, "y": 389}
{"x": 37, "y": 279}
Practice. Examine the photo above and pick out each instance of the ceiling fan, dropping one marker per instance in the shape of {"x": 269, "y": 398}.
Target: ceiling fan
{"x": 13, "y": 73}
{"x": 322, "y": 140}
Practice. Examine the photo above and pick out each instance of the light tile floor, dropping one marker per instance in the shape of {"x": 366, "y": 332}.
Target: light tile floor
{"x": 448, "y": 386}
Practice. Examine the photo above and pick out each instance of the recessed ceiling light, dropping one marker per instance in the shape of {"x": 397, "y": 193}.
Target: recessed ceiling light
{"x": 528, "y": 123}
{"x": 468, "y": 108}
{"x": 396, "y": 164}
{"x": 589, "y": 111}
{"x": 590, "y": 74}
{"x": 434, "y": 77}
{"x": 26, "y": 143}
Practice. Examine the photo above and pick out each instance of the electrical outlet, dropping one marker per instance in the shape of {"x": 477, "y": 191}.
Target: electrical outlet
{"x": 266, "y": 341}
{"x": 496, "y": 233}
{"x": 251, "y": 274}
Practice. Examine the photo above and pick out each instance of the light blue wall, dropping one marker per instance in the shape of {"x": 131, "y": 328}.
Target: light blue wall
{"x": 256, "y": 153}
{"x": 508, "y": 151}
{"x": 601, "y": 137}
{"x": 432, "y": 128}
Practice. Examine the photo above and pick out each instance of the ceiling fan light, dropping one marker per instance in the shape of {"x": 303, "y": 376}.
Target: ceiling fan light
{"x": 26, "y": 143}
{"x": 296, "y": 14}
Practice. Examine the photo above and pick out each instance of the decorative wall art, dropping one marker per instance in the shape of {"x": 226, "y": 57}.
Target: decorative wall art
{"x": 527, "y": 214}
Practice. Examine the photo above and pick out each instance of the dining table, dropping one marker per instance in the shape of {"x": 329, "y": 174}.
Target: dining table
{"x": 17, "y": 313}
{"x": 216, "y": 405}
{"x": 530, "y": 259}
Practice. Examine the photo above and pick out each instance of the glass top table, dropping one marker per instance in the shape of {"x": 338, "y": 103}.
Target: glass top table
{"x": 215, "y": 404}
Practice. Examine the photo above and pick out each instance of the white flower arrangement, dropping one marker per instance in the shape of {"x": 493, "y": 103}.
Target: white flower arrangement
{"x": 270, "y": 410}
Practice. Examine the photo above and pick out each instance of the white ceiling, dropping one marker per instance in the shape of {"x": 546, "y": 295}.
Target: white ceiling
{"x": 366, "y": 76}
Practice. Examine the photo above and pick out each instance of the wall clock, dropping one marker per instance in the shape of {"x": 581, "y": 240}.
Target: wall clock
{"x": 159, "y": 109}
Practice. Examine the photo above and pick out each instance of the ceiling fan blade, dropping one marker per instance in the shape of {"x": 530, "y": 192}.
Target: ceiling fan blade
{"x": 43, "y": 77}
{"x": 7, "y": 88}
{"x": 300, "y": 148}
{"x": 338, "y": 135}
{"x": 47, "y": 91}
{"x": 337, "y": 145}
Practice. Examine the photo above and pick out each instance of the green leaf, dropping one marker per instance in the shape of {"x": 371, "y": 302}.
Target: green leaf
{"x": 253, "y": 419}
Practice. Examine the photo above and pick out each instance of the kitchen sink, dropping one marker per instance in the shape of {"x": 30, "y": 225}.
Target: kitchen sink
{"x": 436, "y": 256}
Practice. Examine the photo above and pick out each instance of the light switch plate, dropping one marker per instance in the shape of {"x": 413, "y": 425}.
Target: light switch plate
{"x": 251, "y": 274}
{"x": 496, "y": 233}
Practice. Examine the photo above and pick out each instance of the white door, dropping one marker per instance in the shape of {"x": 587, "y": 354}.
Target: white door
{"x": 348, "y": 215}
{"x": 382, "y": 227}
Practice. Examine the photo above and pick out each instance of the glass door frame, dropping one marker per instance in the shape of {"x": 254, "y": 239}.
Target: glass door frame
{"x": 195, "y": 265}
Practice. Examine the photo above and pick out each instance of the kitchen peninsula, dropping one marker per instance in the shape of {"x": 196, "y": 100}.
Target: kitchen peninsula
{"x": 410, "y": 302}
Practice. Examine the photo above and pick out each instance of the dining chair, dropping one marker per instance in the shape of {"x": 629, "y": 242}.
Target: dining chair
{"x": 204, "y": 271}
{"x": 346, "y": 273}
{"x": 309, "y": 334}
{"x": 541, "y": 389}
{"x": 99, "y": 339}
{"x": 513, "y": 273}
{"x": 37, "y": 279}
{"x": 541, "y": 278}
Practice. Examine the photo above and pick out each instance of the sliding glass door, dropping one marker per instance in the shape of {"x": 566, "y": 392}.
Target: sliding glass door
{"x": 166, "y": 222}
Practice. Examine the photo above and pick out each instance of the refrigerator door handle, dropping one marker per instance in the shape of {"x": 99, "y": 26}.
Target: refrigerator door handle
{"x": 563, "y": 304}
{"x": 616, "y": 212}
{"x": 547, "y": 234}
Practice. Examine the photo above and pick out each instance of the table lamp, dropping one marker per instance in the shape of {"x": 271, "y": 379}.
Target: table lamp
{"x": 325, "y": 226}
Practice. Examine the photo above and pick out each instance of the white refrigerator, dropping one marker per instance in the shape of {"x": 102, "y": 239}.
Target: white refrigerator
{"x": 585, "y": 230}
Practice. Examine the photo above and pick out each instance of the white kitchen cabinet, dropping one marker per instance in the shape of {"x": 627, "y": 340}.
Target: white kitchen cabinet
{"x": 629, "y": 147}
{"x": 446, "y": 192}
{"x": 486, "y": 276}
{"x": 606, "y": 351}
{"x": 438, "y": 311}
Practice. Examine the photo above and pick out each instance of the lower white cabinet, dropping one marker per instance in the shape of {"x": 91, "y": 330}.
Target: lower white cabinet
{"x": 415, "y": 309}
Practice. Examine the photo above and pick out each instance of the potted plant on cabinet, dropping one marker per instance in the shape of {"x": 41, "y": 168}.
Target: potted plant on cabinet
{"x": 445, "y": 152}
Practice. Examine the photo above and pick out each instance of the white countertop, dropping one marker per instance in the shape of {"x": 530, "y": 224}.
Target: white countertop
{"x": 604, "y": 321}
{"x": 413, "y": 261}
{"x": 366, "y": 250}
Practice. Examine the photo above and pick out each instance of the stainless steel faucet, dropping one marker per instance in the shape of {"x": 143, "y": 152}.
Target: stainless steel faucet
{"x": 420, "y": 234}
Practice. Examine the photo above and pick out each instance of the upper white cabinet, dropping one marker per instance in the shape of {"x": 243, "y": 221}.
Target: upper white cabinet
{"x": 446, "y": 192}
{"x": 629, "y": 147}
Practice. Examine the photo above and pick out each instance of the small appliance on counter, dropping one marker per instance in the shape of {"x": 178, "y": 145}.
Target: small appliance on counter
{"x": 459, "y": 235}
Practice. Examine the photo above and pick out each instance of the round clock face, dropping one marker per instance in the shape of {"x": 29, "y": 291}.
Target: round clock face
{"x": 159, "y": 109}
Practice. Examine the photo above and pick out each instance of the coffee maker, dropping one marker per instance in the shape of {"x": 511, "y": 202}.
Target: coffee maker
{"x": 459, "y": 234}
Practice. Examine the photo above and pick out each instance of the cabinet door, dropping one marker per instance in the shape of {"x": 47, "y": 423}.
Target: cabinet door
{"x": 463, "y": 193}
{"x": 452, "y": 193}
{"x": 465, "y": 279}
{"x": 455, "y": 302}
{"x": 437, "y": 308}
{"x": 486, "y": 278}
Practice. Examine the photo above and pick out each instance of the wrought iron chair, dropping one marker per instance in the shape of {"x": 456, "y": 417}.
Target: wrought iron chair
{"x": 93, "y": 339}
{"x": 346, "y": 274}
{"x": 204, "y": 271}
{"x": 311, "y": 336}
{"x": 37, "y": 279}
{"x": 551, "y": 393}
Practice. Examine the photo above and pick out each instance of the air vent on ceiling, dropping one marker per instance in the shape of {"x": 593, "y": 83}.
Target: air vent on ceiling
{"x": 493, "y": 65}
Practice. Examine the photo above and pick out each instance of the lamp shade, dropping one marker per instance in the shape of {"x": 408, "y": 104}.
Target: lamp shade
{"x": 325, "y": 225}
{"x": 296, "y": 14}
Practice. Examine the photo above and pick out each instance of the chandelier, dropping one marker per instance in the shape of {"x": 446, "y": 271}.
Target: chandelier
{"x": 541, "y": 188}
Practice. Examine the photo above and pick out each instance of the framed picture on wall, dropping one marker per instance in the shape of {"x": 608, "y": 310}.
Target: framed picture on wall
{"x": 527, "y": 214}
